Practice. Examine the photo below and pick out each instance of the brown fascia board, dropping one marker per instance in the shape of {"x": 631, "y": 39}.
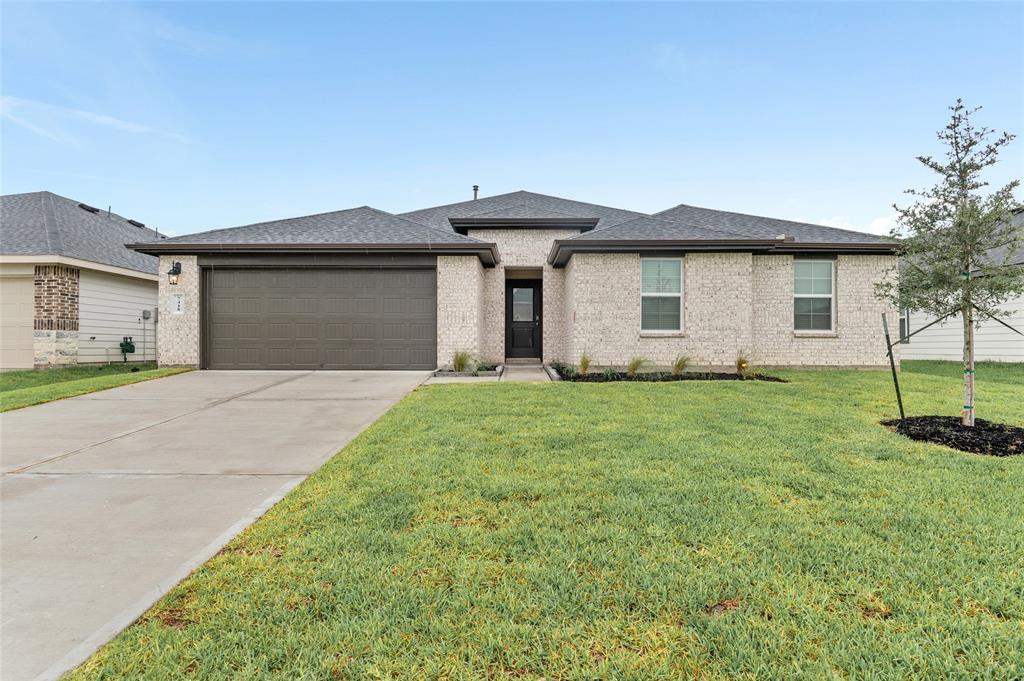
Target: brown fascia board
{"x": 487, "y": 252}
{"x": 562, "y": 249}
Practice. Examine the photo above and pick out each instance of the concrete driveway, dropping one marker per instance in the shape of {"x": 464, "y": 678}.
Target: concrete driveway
{"x": 110, "y": 499}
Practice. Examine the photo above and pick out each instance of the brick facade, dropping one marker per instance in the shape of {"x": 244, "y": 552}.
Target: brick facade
{"x": 178, "y": 339}
{"x": 523, "y": 250}
{"x": 733, "y": 304}
{"x": 55, "y": 319}
{"x": 460, "y": 306}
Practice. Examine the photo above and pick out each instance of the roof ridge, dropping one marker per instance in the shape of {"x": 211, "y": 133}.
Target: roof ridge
{"x": 765, "y": 217}
{"x": 265, "y": 222}
{"x": 713, "y": 230}
{"x": 435, "y": 230}
{"x": 54, "y": 239}
{"x": 459, "y": 203}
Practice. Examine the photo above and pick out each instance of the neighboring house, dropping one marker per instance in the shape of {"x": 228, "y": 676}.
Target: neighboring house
{"x": 69, "y": 289}
{"x": 520, "y": 276}
{"x": 992, "y": 340}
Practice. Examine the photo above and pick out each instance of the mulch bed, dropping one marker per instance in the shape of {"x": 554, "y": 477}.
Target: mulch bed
{"x": 662, "y": 377}
{"x": 994, "y": 439}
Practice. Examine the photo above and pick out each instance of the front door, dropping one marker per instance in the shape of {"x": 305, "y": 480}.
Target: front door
{"x": 522, "y": 318}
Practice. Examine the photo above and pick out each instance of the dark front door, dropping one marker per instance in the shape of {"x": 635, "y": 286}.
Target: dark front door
{"x": 522, "y": 318}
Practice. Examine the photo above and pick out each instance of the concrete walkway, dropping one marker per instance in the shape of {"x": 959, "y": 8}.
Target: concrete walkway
{"x": 110, "y": 499}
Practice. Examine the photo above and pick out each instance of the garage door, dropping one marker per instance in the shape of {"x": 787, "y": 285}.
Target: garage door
{"x": 321, "y": 319}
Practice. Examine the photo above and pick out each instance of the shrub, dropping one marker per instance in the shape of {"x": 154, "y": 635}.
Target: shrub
{"x": 743, "y": 366}
{"x": 635, "y": 365}
{"x": 584, "y": 363}
{"x": 610, "y": 374}
{"x": 679, "y": 366}
{"x": 486, "y": 366}
{"x": 461, "y": 361}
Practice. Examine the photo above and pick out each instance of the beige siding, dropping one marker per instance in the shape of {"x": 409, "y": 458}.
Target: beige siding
{"x": 993, "y": 341}
{"x": 110, "y": 307}
{"x": 16, "y": 308}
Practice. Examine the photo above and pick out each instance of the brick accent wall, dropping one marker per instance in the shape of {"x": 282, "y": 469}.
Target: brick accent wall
{"x": 460, "y": 306}
{"x": 733, "y": 303}
{"x": 55, "y": 319}
{"x": 56, "y": 298}
{"x": 523, "y": 249}
{"x": 178, "y": 332}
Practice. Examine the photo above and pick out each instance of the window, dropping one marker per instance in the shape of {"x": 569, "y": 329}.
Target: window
{"x": 661, "y": 294}
{"x": 904, "y": 325}
{"x": 812, "y": 299}
{"x": 522, "y": 304}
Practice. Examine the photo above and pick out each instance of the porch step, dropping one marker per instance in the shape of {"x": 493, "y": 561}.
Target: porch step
{"x": 522, "y": 361}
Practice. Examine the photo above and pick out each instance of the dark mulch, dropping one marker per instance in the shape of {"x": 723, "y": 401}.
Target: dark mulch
{"x": 995, "y": 439}
{"x": 661, "y": 377}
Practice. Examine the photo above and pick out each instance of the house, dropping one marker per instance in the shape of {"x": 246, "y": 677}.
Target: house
{"x": 520, "y": 276}
{"x": 69, "y": 289}
{"x": 992, "y": 340}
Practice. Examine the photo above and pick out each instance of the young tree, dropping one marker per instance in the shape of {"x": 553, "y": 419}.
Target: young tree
{"x": 950, "y": 235}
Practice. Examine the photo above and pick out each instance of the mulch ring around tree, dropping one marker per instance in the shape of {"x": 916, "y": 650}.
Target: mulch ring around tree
{"x": 663, "y": 376}
{"x": 994, "y": 439}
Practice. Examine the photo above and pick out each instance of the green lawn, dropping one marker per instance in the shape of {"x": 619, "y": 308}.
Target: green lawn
{"x": 24, "y": 388}
{"x": 632, "y": 531}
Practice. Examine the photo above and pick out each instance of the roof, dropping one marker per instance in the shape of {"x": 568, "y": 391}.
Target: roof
{"x": 43, "y": 223}
{"x": 444, "y": 229}
{"x": 356, "y": 229}
{"x": 523, "y": 205}
{"x": 1003, "y": 254}
{"x": 765, "y": 228}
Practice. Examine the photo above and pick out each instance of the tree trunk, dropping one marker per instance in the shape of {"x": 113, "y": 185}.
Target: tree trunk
{"x": 967, "y": 313}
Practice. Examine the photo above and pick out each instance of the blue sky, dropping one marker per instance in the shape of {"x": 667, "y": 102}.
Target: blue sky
{"x": 192, "y": 116}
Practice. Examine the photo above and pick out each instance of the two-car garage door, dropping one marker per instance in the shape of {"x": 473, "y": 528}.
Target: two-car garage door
{"x": 313, "y": 318}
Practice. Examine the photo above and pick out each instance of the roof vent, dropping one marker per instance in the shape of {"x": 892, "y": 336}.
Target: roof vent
{"x": 476, "y": 189}
{"x": 91, "y": 209}
{"x": 784, "y": 237}
{"x": 136, "y": 223}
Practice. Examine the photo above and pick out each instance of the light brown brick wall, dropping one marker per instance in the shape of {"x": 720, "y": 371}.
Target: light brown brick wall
{"x": 857, "y": 340}
{"x": 460, "y": 306}
{"x": 733, "y": 303}
{"x": 178, "y": 334}
{"x": 523, "y": 248}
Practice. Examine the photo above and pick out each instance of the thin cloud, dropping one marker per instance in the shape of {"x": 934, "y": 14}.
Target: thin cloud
{"x": 28, "y": 112}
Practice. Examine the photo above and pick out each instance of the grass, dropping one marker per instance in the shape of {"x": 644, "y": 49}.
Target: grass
{"x": 705, "y": 530}
{"x": 25, "y": 388}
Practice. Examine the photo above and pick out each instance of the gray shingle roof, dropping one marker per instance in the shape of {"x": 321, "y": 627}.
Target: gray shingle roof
{"x": 526, "y": 212}
{"x": 363, "y": 225}
{"x": 1002, "y": 255}
{"x": 656, "y": 229}
{"x": 764, "y": 228}
{"x": 537, "y": 206}
{"x": 43, "y": 223}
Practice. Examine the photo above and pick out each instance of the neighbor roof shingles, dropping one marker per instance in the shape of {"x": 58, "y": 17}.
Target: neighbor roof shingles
{"x": 43, "y": 223}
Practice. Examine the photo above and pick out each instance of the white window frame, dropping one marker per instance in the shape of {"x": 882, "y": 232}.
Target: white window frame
{"x": 832, "y": 307}
{"x": 903, "y": 324}
{"x": 682, "y": 288}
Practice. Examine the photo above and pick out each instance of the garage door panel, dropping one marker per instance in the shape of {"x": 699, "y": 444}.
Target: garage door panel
{"x": 322, "y": 318}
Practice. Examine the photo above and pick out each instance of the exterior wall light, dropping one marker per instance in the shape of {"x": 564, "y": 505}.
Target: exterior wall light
{"x": 172, "y": 274}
